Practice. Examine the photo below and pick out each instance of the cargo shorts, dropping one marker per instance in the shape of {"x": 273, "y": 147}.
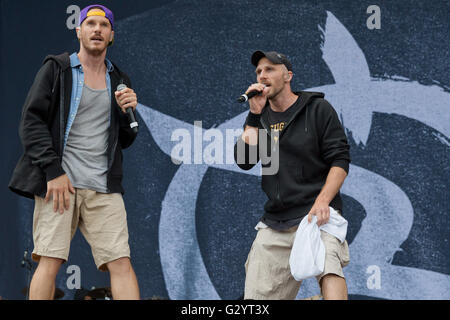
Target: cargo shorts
{"x": 267, "y": 269}
{"x": 102, "y": 220}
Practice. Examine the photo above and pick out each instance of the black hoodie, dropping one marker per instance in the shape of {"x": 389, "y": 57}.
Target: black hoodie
{"x": 311, "y": 142}
{"x": 43, "y": 123}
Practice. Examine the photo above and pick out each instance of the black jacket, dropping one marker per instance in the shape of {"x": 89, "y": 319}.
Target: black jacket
{"x": 311, "y": 142}
{"x": 43, "y": 123}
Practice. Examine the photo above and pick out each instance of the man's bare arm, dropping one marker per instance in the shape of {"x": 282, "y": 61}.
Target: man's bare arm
{"x": 333, "y": 184}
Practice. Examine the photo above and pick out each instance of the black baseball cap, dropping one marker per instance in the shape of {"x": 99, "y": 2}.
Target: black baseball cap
{"x": 273, "y": 56}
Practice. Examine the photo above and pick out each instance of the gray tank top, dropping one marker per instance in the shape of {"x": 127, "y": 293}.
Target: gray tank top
{"x": 85, "y": 155}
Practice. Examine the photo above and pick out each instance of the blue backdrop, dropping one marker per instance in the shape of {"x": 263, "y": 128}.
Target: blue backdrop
{"x": 192, "y": 224}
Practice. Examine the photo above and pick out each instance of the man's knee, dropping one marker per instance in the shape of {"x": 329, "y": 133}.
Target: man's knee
{"x": 333, "y": 287}
{"x": 331, "y": 278}
{"x": 120, "y": 266}
{"x": 50, "y": 265}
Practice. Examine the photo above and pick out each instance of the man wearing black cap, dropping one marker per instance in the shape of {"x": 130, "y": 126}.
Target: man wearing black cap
{"x": 73, "y": 129}
{"x": 314, "y": 159}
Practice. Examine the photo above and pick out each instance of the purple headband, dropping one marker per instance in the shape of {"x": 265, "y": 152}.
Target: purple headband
{"x": 108, "y": 14}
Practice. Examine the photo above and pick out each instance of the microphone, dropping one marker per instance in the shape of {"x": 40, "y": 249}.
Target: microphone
{"x": 245, "y": 97}
{"x": 131, "y": 119}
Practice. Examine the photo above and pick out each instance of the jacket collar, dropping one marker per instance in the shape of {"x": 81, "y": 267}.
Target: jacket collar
{"x": 75, "y": 62}
{"x": 305, "y": 97}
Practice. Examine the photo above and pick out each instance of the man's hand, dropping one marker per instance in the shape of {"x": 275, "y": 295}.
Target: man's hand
{"x": 258, "y": 102}
{"x": 321, "y": 210}
{"x": 126, "y": 99}
{"x": 59, "y": 188}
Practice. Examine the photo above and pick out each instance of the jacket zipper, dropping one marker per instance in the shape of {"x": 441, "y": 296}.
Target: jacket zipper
{"x": 111, "y": 155}
{"x": 278, "y": 196}
{"x": 278, "y": 192}
{"x": 113, "y": 149}
{"x": 292, "y": 118}
{"x": 61, "y": 115}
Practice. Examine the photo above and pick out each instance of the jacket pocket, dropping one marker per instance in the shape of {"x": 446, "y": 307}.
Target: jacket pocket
{"x": 291, "y": 176}
{"x": 269, "y": 186}
{"x": 295, "y": 168}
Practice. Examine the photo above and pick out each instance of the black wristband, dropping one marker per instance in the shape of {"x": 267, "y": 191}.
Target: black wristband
{"x": 253, "y": 119}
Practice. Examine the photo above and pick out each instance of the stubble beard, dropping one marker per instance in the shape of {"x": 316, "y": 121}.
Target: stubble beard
{"x": 95, "y": 51}
{"x": 274, "y": 94}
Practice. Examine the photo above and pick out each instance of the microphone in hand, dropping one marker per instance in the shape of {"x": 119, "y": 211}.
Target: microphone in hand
{"x": 247, "y": 96}
{"x": 131, "y": 119}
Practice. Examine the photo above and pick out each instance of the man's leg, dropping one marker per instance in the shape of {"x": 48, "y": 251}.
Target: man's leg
{"x": 104, "y": 225}
{"x": 332, "y": 280}
{"x": 267, "y": 270}
{"x": 124, "y": 285}
{"x": 334, "y": 288}
{"x": 42, "y": 285}
{"x": 51, "y": 236}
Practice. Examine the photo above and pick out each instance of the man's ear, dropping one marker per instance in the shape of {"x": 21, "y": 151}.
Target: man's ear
{"x": 78, "y": 32}
{"x": 111, "y": 37}
{"x": 288, "y": 76}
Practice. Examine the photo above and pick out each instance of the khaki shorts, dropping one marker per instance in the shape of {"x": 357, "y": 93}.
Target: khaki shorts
{"x": 268, "y": 274}
{"x": 102, "y": 220}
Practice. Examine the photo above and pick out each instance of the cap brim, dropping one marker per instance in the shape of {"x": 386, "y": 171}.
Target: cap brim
{"x": 256, "y": 56}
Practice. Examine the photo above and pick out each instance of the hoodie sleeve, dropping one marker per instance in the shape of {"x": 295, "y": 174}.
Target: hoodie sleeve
{"x": 33, "y": 129}
{"x": 242, "y": 152}
{"x": 334, "y": 147}
{"x": 126, "y": 134}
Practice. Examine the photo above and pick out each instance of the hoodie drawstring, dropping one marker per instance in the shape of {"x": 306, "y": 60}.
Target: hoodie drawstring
{"x": 306, "y": 119}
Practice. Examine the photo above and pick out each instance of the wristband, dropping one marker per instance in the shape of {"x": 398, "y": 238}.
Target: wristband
{"x": 253, "y": 119}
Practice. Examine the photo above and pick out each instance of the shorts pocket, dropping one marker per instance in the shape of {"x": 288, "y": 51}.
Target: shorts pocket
{"x": 344, "y": 255}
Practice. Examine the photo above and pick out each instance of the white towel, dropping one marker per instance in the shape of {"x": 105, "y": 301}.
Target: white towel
{"x": 307, "y": 257}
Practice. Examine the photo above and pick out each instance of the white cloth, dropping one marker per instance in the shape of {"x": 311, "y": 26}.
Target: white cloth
{"x": 307, "y": 257}
{"x": 261, "y": 225}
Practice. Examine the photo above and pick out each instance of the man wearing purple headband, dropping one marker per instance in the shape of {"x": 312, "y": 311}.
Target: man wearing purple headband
{"x": 74, "y": 126}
